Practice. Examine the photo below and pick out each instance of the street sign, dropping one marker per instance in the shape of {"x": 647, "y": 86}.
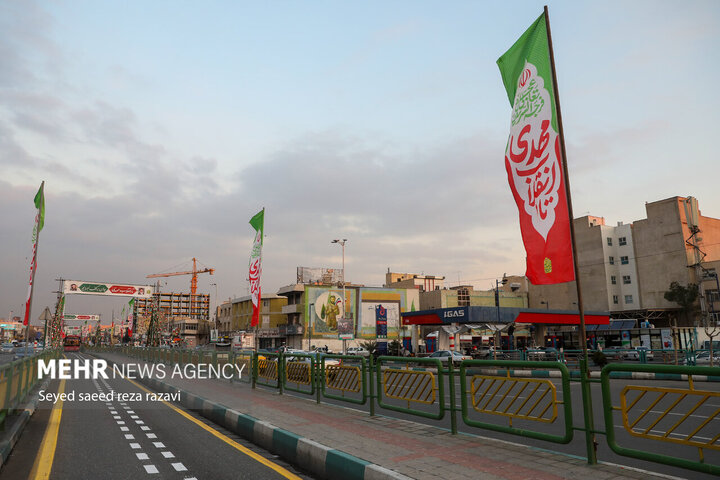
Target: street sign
{"x": 46, "y": 315}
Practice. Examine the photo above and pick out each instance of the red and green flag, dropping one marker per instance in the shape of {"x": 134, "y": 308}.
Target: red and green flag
{"x": 533, "y": 158}
{"x": 255, "y": 267}
{"x": 39, "y": 223}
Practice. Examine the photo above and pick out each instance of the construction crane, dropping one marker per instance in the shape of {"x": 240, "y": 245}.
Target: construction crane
{"x": 194, "y": 272}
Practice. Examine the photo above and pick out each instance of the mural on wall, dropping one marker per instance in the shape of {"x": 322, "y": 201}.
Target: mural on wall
{"x": 377, "y": 311}
{"x": 325, "y": 309}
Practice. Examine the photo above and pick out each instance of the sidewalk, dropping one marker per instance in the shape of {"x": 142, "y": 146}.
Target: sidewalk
{"x": 342, "y": 443}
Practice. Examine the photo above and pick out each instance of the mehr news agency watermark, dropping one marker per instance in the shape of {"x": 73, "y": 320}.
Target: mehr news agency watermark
{"x": 96, "y": 369}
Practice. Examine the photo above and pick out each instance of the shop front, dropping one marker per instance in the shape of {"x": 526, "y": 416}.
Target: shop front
{"x": 470, "y": 328}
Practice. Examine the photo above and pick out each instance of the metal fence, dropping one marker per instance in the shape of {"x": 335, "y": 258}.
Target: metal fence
{"x": 529, "y": 397}
{"x": 17, "y": 379}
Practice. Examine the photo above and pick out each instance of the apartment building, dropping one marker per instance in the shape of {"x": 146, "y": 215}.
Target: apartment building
{"x": 626, "y": 269}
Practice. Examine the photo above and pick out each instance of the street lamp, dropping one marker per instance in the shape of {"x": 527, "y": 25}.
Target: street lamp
{"x": 342, "y": 244}
{"x": 497, "y": 307}
{"x": 216, "y": 304}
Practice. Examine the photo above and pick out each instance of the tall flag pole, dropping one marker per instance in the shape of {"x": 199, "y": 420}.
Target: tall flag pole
{"x": 255, "y": 267}
{"x": 39, "y": 223}
{"x": 536, "y": 164}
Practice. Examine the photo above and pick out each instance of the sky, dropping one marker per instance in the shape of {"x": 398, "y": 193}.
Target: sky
{"x": 160, "y": 128}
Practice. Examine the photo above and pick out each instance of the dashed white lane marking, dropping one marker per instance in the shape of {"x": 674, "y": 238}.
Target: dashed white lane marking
{"x": 116, "y": 417}
{"x": 124, "y": 429}
{"x": 159, "y": 444}
{"x": 129, "y": 436}
{"x": 134, "y": 446}
{"x": 179, "y": 467}
{"x": 139, "y": 422}
{"x": 142, "y": 456}
{"x": 130, "y": 411}
{"x": 150, "y": 468}
{"x": 168, "y": 455}
{"x": 134, "y": 417}
{"x": 151, "y": 435}
{"x": 120, "y": 422}
{"x": 145, "y": 428}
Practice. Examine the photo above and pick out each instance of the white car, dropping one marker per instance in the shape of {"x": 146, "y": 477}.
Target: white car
{"x": 8, "y": 348}
{"x": 703, "y": 358}
{"x": 634, "y": 354}
{"x": 445, "y": 355}
{"x": 361, "y": 351}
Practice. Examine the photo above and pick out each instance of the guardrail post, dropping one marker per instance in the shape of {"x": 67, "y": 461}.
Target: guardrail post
{"x": 372, "y": 384}
{"x": 590, "y": 443}
{"x": 453, "y": 412}
{"x": 253, "y": 368}
{"x": 318, "y": 378}
{"x": 281, "y": 371}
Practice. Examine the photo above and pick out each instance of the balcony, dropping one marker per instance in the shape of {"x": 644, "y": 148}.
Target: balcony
{"x": 295, "y": 308}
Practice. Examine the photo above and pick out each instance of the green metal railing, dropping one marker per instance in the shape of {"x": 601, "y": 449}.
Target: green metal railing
{"x": 515, "y": 397}
{"x": 17, "y": 379}
{"x": 645, "y": 413}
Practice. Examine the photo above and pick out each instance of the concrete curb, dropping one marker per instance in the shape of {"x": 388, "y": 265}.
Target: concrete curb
{"x": 320, "y": 460}
{"x": 10, "y": 436}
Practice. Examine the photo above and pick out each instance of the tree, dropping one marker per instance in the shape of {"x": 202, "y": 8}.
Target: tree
{"x": 683, "y": 296}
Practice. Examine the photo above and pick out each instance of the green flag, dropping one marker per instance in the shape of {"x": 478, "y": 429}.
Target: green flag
{"x": 40, "y": 205}
{"x": 255, "y": 265}
{"x": 533, "y": 158}
{"x": 257, "y": 222}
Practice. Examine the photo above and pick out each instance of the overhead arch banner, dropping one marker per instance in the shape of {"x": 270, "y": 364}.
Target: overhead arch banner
{"x": 75, "y": 287}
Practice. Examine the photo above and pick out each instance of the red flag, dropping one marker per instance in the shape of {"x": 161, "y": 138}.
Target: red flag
{"x": 533, "y": 158}
{"x": 255, "y": 267}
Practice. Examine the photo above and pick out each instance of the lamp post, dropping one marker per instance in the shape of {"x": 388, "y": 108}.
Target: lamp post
{"x": 497, "y": 308}
{"x": 216, "y": 304}
{"x": 342, "y": 244}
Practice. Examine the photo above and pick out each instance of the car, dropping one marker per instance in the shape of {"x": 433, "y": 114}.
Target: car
{"x": 547, "y": 354}
{"x": 635, "y": 354}
{"x": 445, "y": 355}
{"x": 306, "y": 357}
{"x": 22, "y": 352}
{"x": 7, "y": 348}
{"x": 703, "y": 358}
{"x": 361, "y": 351}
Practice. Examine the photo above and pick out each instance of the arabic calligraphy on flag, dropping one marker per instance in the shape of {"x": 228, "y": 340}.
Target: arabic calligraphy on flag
{"x": 533, "y": 158}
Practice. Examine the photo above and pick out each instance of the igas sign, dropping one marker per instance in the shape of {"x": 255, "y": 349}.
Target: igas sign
{"x": 454, "y": 314}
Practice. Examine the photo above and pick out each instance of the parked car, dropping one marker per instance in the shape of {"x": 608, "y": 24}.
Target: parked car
{"x": 317, "y": 356}
{"x": 7, "y": 348}
{"x": 634, "y": 354}
{"x": 445, "y": 355}
{"x": 703, "y": 358}
{"x": 361, "y": 351}
{"x": 22, "y": 352}
{"x": 547, "y": 354}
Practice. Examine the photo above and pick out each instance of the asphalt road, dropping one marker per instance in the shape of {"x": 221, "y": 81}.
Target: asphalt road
{"x": 132, "y": 437}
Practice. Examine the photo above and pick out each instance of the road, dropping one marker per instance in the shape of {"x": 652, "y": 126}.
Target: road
{"x": 127, "y": 435}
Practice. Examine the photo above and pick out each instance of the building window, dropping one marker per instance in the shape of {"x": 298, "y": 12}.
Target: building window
{"x": 626, "y": 279}
{"x": 611, "y": 260}
{"x": 628, "y": 299}
{"x": 613, "y": 280}
{"x": 609, "y": 240}
{"x": 622, "y": 241}
{"x": 615, "y": 299}
{"x": 624, "y": 260}
{"x": 463, "y": 297}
